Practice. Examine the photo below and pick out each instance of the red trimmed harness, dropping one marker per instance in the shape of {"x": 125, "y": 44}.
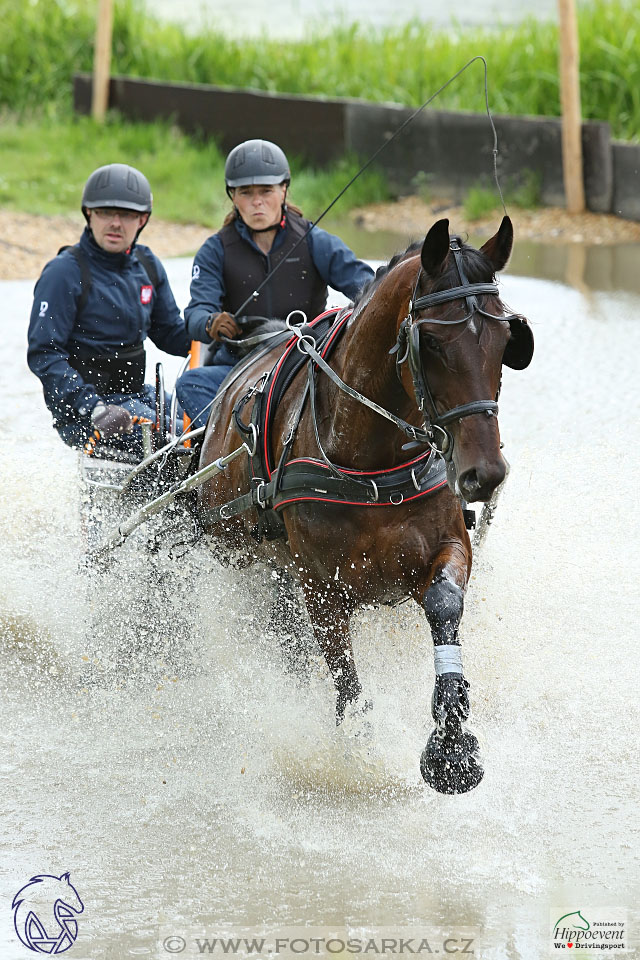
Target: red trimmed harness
{"x": 275, "y": 486}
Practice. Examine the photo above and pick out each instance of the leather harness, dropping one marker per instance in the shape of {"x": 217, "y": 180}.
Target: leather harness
{"x": 309, "y": 479}
{"x": 275, "y": 486}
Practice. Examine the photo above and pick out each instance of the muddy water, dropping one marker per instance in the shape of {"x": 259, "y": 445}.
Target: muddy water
{"x": 154, "y": 746}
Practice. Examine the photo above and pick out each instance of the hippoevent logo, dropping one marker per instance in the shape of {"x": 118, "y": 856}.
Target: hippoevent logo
{"x": 592, "y": 930}
{"x": 44, "y": 914}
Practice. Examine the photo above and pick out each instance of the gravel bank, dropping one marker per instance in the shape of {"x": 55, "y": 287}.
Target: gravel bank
{"x": 546, "y": 225}
{"x": 27, "y": 242}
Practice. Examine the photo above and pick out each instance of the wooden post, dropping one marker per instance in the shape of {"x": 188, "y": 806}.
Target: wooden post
{"x": 102, "y": 60}
{"x": 570, "y": 103}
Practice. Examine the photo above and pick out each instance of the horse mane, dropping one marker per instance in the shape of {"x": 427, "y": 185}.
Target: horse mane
{"x": 477, "y": 265}
{"x": 383, "y": 270}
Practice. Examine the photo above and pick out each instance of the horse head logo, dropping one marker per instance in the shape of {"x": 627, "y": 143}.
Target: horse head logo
{"x": 578, "y": 924}
{"x": 43, "y": 914}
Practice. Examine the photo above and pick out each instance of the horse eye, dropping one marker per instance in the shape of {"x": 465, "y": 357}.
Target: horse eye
{"x": 432, "y": 343}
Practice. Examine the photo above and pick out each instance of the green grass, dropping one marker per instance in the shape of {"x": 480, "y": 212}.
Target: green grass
{"x": 47, "y": 153}
{"x": 45, "y": 163}
{"x": 482, "y": 200}
{"x": 44, "y": 41}
{"x": 526, "y": 193}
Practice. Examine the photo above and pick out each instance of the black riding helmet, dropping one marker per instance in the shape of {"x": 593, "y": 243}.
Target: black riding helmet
{"x": 256, "y": 161}
{"x": 117, "y": 185}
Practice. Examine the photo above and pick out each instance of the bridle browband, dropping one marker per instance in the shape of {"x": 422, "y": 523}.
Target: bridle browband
{"x": 408, "y": 348}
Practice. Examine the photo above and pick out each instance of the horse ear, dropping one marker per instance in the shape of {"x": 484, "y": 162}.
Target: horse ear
{"x": 498, "y": 248}
{"x": 435, "y": 247}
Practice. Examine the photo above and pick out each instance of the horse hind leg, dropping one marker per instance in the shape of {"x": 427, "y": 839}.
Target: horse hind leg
{"x": 288, "y": 621}
{"x": 450, "y": 762}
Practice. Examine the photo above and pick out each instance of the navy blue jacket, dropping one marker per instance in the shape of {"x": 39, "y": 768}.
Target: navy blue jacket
{"x": 121, "y": 310}
{"x": 335, "y": 262}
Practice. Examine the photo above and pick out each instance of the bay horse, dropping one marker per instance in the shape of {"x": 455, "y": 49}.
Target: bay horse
{"x": 426, "y": 342}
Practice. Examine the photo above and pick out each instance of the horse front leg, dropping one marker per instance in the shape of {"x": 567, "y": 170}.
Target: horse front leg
{"x": 450, "y": 762}
{"x": 329, "y": 614}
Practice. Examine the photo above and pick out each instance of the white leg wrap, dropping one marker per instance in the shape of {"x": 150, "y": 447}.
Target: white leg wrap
{"x": 448, "y": 658}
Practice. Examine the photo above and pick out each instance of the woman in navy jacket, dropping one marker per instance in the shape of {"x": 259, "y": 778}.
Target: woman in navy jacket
{"x": 94, "y": 305}
{"x": 260, "y": 233}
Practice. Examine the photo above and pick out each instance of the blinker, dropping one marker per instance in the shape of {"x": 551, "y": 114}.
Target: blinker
{"x": 518, "y": 352}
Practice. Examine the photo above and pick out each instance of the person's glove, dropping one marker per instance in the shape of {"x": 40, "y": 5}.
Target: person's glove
{"x": 222, "y": 325}
{"x": 111, "y": 420}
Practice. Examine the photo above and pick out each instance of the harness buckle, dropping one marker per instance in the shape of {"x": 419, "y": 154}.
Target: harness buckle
{"x": 261, "y": 499}
{"x": 289, "y": 322}
{"x": 251, "y": 450}
{"x": 302, "y": 339}
{"x": 446, "y": 447}
{"x": 259, "y": 385}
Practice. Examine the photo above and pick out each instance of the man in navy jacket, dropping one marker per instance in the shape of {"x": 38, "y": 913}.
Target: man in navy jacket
{"x": 94, "y": 305}
{"x": 261, "y": 232}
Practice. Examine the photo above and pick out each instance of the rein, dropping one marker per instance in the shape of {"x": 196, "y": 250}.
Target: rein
{"x": 409, "y": 342}
{"x": 307, "y": 345}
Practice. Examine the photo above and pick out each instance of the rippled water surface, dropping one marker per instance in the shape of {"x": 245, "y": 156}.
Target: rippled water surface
{"x": 154, "y": 746}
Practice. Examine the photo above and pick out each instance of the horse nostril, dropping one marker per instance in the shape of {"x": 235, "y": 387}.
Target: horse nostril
{"x": 478, "y": 483}
{"x": 469, "y": 482}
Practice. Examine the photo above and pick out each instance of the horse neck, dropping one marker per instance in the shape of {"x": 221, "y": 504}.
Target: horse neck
{"x": 363, "y": 361}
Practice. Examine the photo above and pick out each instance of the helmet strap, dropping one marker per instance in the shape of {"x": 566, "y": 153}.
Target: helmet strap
{"x": 283, "y": 218}
{"x": 142, "y": 227}
{"x": 276, "y": 226}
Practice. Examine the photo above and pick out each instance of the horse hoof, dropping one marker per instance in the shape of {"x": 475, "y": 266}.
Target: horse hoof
{"x": 355, "y": 723}
{"x": 348, "y": 699}
{"x": 451, "y": 764}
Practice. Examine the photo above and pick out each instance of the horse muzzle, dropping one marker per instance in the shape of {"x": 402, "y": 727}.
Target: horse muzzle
{"x": 477, "y": 482}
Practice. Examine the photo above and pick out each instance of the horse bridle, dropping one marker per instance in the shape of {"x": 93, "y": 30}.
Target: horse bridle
{"x": 407, "y": 348}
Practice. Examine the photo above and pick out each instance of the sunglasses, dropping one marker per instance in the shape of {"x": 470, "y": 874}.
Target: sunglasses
{"x": 108, "y": 213}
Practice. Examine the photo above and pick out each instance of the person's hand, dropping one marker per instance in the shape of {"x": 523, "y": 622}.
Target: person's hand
{"x": 222, "y": 325}
{"x": 111, "y": 420}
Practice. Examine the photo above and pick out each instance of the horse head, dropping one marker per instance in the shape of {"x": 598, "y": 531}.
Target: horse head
{"x": 456, "y": 337}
